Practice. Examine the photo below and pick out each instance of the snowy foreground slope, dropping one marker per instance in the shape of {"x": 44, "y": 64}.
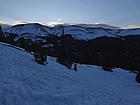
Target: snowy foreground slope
{"x": 24, "y": 82}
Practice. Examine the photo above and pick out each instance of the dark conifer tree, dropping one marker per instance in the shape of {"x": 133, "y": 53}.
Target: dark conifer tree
{"x": 75, "y": 66}
{"x": 40, "y": 54}
{"x": 40, "y": 57}
{"x": 0, "y": 28}
{"x": 1, "y": 33}
{"x": 138, "y": 77}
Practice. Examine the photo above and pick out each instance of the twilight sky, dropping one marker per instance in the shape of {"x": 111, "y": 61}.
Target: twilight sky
{"x": 113, "y": 12}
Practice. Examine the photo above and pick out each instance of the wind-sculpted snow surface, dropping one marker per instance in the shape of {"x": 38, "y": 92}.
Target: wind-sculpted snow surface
{"x": 24, "y": 82}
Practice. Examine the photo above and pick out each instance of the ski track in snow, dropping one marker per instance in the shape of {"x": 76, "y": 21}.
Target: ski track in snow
{"x": 24, "y": 82}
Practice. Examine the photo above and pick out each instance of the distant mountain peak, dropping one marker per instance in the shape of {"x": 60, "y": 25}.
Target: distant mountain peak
{"x": 78, "y": 31}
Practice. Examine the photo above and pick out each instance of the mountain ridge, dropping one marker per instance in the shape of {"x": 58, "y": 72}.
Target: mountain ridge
{"x": 99, "y": 46}
{"x": 78, "y": 32}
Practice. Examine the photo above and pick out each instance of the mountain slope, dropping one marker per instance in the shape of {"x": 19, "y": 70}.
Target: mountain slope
{"x": 31, "y": 29}
{"x": 81, "y": 32}
{"x": 24, "y": 82}
{"x": 3, "y": 25}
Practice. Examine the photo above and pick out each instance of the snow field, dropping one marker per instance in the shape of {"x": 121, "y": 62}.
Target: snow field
{"x": 24, "y": 82}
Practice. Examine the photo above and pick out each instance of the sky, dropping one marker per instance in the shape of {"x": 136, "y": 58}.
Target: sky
{"x": 120, "y": 13}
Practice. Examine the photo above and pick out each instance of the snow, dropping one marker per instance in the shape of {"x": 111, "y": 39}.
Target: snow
{"x": 78, "y": 32}
{"x": 24, "y": 82}
{"x": 126, "y": 32}
{"x": 82, "y": 33}
{"x": 57, "y": 30}
{"x": 48, "y": 45}
{"x": 32, "y": 28}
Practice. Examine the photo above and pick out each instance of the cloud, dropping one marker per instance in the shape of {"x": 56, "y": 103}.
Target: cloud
{"x": 1, "y": 22}
{"x": 21, "y": 22}
{"x": 58, "y": 20}
{"x": 53, "y": 23}
{"x": 24, "y": 22}
{"x": 15, "y": 22}
{"x": 96, "y": 25}
{"x": 131, "y": 27}
{"x": 4, "y": 25}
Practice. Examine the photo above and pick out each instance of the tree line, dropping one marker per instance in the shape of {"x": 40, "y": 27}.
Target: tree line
{"x": 108, "y": 52}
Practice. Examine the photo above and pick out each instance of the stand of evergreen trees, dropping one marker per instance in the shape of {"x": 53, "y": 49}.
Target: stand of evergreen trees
{"x": 122, "y": 52}
{"x": 138, "y": 77}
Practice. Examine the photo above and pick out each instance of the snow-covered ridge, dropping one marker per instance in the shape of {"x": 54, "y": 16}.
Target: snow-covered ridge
{"x": 24, "y": 82}
{"x": 81, "y": 32}
{"x": 32, "y": 28}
